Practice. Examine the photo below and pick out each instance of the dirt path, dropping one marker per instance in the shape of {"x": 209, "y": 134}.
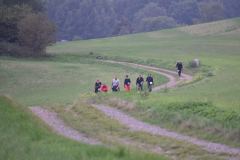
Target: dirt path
{"x": 172, "y": 76}
{"x": 136, "y": 125}
{"x": 59, "y": 126}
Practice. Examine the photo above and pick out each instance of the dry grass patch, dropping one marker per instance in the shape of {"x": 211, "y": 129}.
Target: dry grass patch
{"x": 211, "y": 28}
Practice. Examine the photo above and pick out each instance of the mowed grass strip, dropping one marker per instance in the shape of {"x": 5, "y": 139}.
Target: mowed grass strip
{"x": 87, "y": 119}
{"x": 24, "y": 137}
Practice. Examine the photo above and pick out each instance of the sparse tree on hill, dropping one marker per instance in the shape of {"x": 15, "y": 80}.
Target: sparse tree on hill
{"x": 36, "y": 32}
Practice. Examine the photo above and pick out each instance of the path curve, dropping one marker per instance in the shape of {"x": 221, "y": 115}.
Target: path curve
{"x": 172, "y": 76}
{"x": 60, "y": 127}
{"x": 136, "y": 125}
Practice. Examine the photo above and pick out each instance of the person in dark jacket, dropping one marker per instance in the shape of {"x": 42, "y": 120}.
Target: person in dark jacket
{"x": 179, "y": 67}
{"x": 127, "y": 84}
{"x": 139, "y": 83}
{"x": 97, "y": 86}
{"x": 150, "y": 83}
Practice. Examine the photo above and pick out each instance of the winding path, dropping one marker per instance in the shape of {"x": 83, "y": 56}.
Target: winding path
{"x": 172, "y": 76}
{"x": 135, "y": 125}
{"x": 60, "y": 127}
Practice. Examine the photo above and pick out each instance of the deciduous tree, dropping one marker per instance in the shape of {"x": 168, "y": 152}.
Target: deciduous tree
{"x": 36, "y": 32}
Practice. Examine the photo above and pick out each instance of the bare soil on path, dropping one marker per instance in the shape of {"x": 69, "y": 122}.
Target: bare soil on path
{"x": 173, "y": 79}
{"x": 60, "y": 127}
{"x": 136, "y": 125}
{"x": 133, "y": 124}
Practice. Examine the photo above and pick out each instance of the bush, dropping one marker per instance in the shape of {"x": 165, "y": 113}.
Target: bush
{"x": 13, "y": 49}
{"x": 36, "y": 32}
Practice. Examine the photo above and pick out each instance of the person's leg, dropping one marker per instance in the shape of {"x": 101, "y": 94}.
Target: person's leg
{"x": 128, "y": 88}
{"x": 96, "y": 90}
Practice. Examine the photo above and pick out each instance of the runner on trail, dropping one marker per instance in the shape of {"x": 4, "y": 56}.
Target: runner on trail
{"x": 179, "y": 67}
{"x": 139, "y": 83}
{"x": 150, "y": 83}
{"x": 97, "y": 86}
{"x": 115, "y": 84}
{"x": 127, "y": 84}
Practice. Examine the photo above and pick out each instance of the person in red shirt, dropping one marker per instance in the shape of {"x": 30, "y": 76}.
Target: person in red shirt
{"x": 104, "y": 88}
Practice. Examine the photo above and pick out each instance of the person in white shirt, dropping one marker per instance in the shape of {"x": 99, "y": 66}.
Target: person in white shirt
{"x": 115, "y": 84}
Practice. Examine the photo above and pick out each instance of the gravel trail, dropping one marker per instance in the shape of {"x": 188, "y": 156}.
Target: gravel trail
{"x": 136, "y": 125}
{"x": 172, "y": 76}
{"x": 60, "y": 127}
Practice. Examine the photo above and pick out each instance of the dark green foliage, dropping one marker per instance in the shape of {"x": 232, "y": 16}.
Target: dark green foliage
{"x": 35, "y": 32}
{"x": 16, "y": 28}
{"x": 207, "y": 110}
{"x": 185, "y": 11}
{"x": 202, "y": 118}
{"x": 35, "y": 4}
{"x": 102, "y": 18}
{"x": 154, "y": 23}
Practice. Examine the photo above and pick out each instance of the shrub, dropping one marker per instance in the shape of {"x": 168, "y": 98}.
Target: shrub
{"x": 36, "y": 32}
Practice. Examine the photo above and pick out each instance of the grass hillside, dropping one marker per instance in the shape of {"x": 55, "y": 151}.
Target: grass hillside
{"x": 208, "y": 108}
{"x": 56, "y": 80}
{"x": 218, "y": 52}
{"x": 24, "y": 137}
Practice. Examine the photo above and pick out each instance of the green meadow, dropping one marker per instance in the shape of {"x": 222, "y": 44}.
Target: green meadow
{"x": 207, "y": 108}
{"x": 23, "y": 137}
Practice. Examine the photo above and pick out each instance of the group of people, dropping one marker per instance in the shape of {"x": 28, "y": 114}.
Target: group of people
{"x": 99, "y": 87}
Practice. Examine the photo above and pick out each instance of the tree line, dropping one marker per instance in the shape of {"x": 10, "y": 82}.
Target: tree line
{"x": 25, "y": 29}
{"x": 84, "y": 19}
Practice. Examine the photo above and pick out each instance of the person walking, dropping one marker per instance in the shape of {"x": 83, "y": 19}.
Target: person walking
{"x": 97, "y": 86}
{"x": 149, "y": 81}
{"x": 115, "y": 84}
{"x": 127, "y": 84}
{"x": 179, "y": 67}
{"x": 139, "y": 83}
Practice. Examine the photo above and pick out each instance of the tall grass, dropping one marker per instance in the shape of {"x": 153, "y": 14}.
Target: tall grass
{"x": 24, "y": 137}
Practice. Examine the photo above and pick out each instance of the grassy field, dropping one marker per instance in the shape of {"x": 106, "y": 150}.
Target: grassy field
{"x": 58, "y": 81}
{"x": 209, "y": 108}
{"x": 24, "y": 137}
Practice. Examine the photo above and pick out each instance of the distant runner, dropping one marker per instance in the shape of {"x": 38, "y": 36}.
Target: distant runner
{"x": 139, "y": 83}
{"x": 127, "y": 84}
{"x": 97, "y": 86}
{"x": 150, "y": 83}
{"x": 179, "y": 67}
{"x": 115, "y": 85}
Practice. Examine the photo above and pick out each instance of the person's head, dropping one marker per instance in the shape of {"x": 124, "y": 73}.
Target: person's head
{"x": 126, "y": 76}
{"x": 97, "y": 80}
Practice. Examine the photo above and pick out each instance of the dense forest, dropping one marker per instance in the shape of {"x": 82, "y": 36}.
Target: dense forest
{"x": 85, "y": 19}
{"x": 25, "y": 29}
